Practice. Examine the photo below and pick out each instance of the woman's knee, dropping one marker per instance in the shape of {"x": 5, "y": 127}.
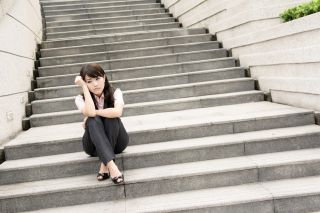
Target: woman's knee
{"x": 93, "y": 121}
{"x": 111, "y": 124}
{"x": 89, "y": 148}
{"x": 110, "y": 120}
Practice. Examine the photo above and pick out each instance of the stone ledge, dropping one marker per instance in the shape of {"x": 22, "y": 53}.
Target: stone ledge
{"x": 305, "y": 24}
{"x": 288, "y": 56}
{"x": 303, "y": 85}
{"x": 203, "y": 11}
{"x": 298, "y": 99}
{"x": 249, "y": 16}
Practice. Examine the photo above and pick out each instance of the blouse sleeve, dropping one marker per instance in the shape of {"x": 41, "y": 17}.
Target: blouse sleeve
{"x": 118, "y": 97}
{"x": 79, "y": 102}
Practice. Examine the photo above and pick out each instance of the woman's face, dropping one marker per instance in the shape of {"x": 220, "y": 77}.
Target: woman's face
{"x": 95, "y": 85}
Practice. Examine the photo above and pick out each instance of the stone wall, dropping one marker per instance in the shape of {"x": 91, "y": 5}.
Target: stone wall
{"x": 20, "y": 32}
{"x": 283, "y": 57}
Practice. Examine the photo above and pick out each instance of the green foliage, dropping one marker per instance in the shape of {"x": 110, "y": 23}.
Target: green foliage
{"x": 301, "y": 10}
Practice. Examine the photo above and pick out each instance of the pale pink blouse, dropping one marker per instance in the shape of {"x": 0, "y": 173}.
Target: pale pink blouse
{"x": 118, "y": 99}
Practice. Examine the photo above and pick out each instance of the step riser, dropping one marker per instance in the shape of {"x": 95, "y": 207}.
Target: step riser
{"x": 221, "y": 179}
{"x": 121, "y": 38}
{"x": 100, "y": 9}
{"x": 181, "y": 156}
{"x": 89, "y": 166}
{"x": 108, "y": 25}
{"x": 221, "y": 151}
{"x": 71, "y": 118}
{"x": 197, "y": 181}
{"x": 144, "y": 137}
{"x": 104, "y": 15}
{"x": 128, "y": 54}
{"x": 59, "y": 3}
{"x": 265, "y": 206}
{"x": 103, "y": 31}
{"x": 106, "y": 4}
{"x": 139, "y": 97}
{"x": 132, "y": 190}
{"x": 304, "y": 203}
{"x": 34, "y": 150}
{"x": 148, "y": 83}
{"x": 137, "y": 62}
{"x": 51, "y": 172}
{"x": 104, "y": 20}
{"x": 290, "y": 204}
{"x": 143, "y": 72}
{"x": 56, "y": 199}
{"x": 127, "y": 45}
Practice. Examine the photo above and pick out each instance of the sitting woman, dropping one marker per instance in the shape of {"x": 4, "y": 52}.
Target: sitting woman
{"x": 102, "y": 107}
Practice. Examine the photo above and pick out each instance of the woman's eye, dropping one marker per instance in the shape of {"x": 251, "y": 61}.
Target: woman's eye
{"x": 97, "y": 78}
{"x": 88, "y": 82}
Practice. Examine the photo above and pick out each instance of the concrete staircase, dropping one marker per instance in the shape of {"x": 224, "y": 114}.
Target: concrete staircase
{"x": 202, "y": 139}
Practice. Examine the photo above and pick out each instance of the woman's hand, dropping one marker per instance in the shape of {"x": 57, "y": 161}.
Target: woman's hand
{"x": 78, "y": 81}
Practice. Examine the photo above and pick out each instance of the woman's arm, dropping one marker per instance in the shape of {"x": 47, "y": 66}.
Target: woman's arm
{"x": 88, "y": 109}
{"x": 111, "y": 112}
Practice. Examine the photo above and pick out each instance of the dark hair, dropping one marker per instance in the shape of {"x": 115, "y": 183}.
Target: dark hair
{"x": 93, "y": 71}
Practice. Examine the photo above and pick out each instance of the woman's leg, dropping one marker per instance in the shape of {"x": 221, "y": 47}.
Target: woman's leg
{"x": 116, "y": 133}
{"x": 88, "y": 146}
{"x": 123, "y": 139}
{"x": 103, "y": 147}
{"x": 119, "y": 139}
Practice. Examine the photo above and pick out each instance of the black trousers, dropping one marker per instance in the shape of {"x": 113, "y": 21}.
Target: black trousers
{"x": 104, "y": 137}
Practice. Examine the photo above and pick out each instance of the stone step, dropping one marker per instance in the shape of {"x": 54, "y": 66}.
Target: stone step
{"x": 178, "y": 125}
{"x": 124, "y": 45}
{"x": 155, "y": 94}
{"x": 292, "y": 195}
{"x": 129, "y": 53}
{"x": 147, "y": 82}
{"x": 98, "y": 39}
{"x": 67, "y": 2}
{"x": 139, "y": 72}
{"x": 84, "y": 5}
{"x": 97, "y": 9}
{"x": 137, "y": 62}
{"x": 108, "y": 24}
{"x": 109, "y": 14}
{"x": 166, "y": 179}
{"x": 54, "y": 118}
{"x": 56, "y": 24}
{"x": 166, "y": 153}
{"x": 100, "y": 25}
{"x": 112, "y": 30}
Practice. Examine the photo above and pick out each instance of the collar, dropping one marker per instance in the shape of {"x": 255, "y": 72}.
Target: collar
{"x": 99, "y": 99}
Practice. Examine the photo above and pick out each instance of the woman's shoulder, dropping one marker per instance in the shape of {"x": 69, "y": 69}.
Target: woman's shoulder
{"x": 117, "y": 89}
{"x": 117, "y": 92}
{"x": 118, "y": 98}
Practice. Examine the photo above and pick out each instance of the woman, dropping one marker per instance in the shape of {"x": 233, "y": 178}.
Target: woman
{"x": 102, "y": 107}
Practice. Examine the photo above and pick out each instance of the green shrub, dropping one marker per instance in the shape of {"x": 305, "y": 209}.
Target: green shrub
{"x": 301, "y": 10}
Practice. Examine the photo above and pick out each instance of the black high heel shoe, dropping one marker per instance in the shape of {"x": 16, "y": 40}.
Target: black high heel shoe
{"x": 103, "y": 176}
{"x": 118, "y": 179}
